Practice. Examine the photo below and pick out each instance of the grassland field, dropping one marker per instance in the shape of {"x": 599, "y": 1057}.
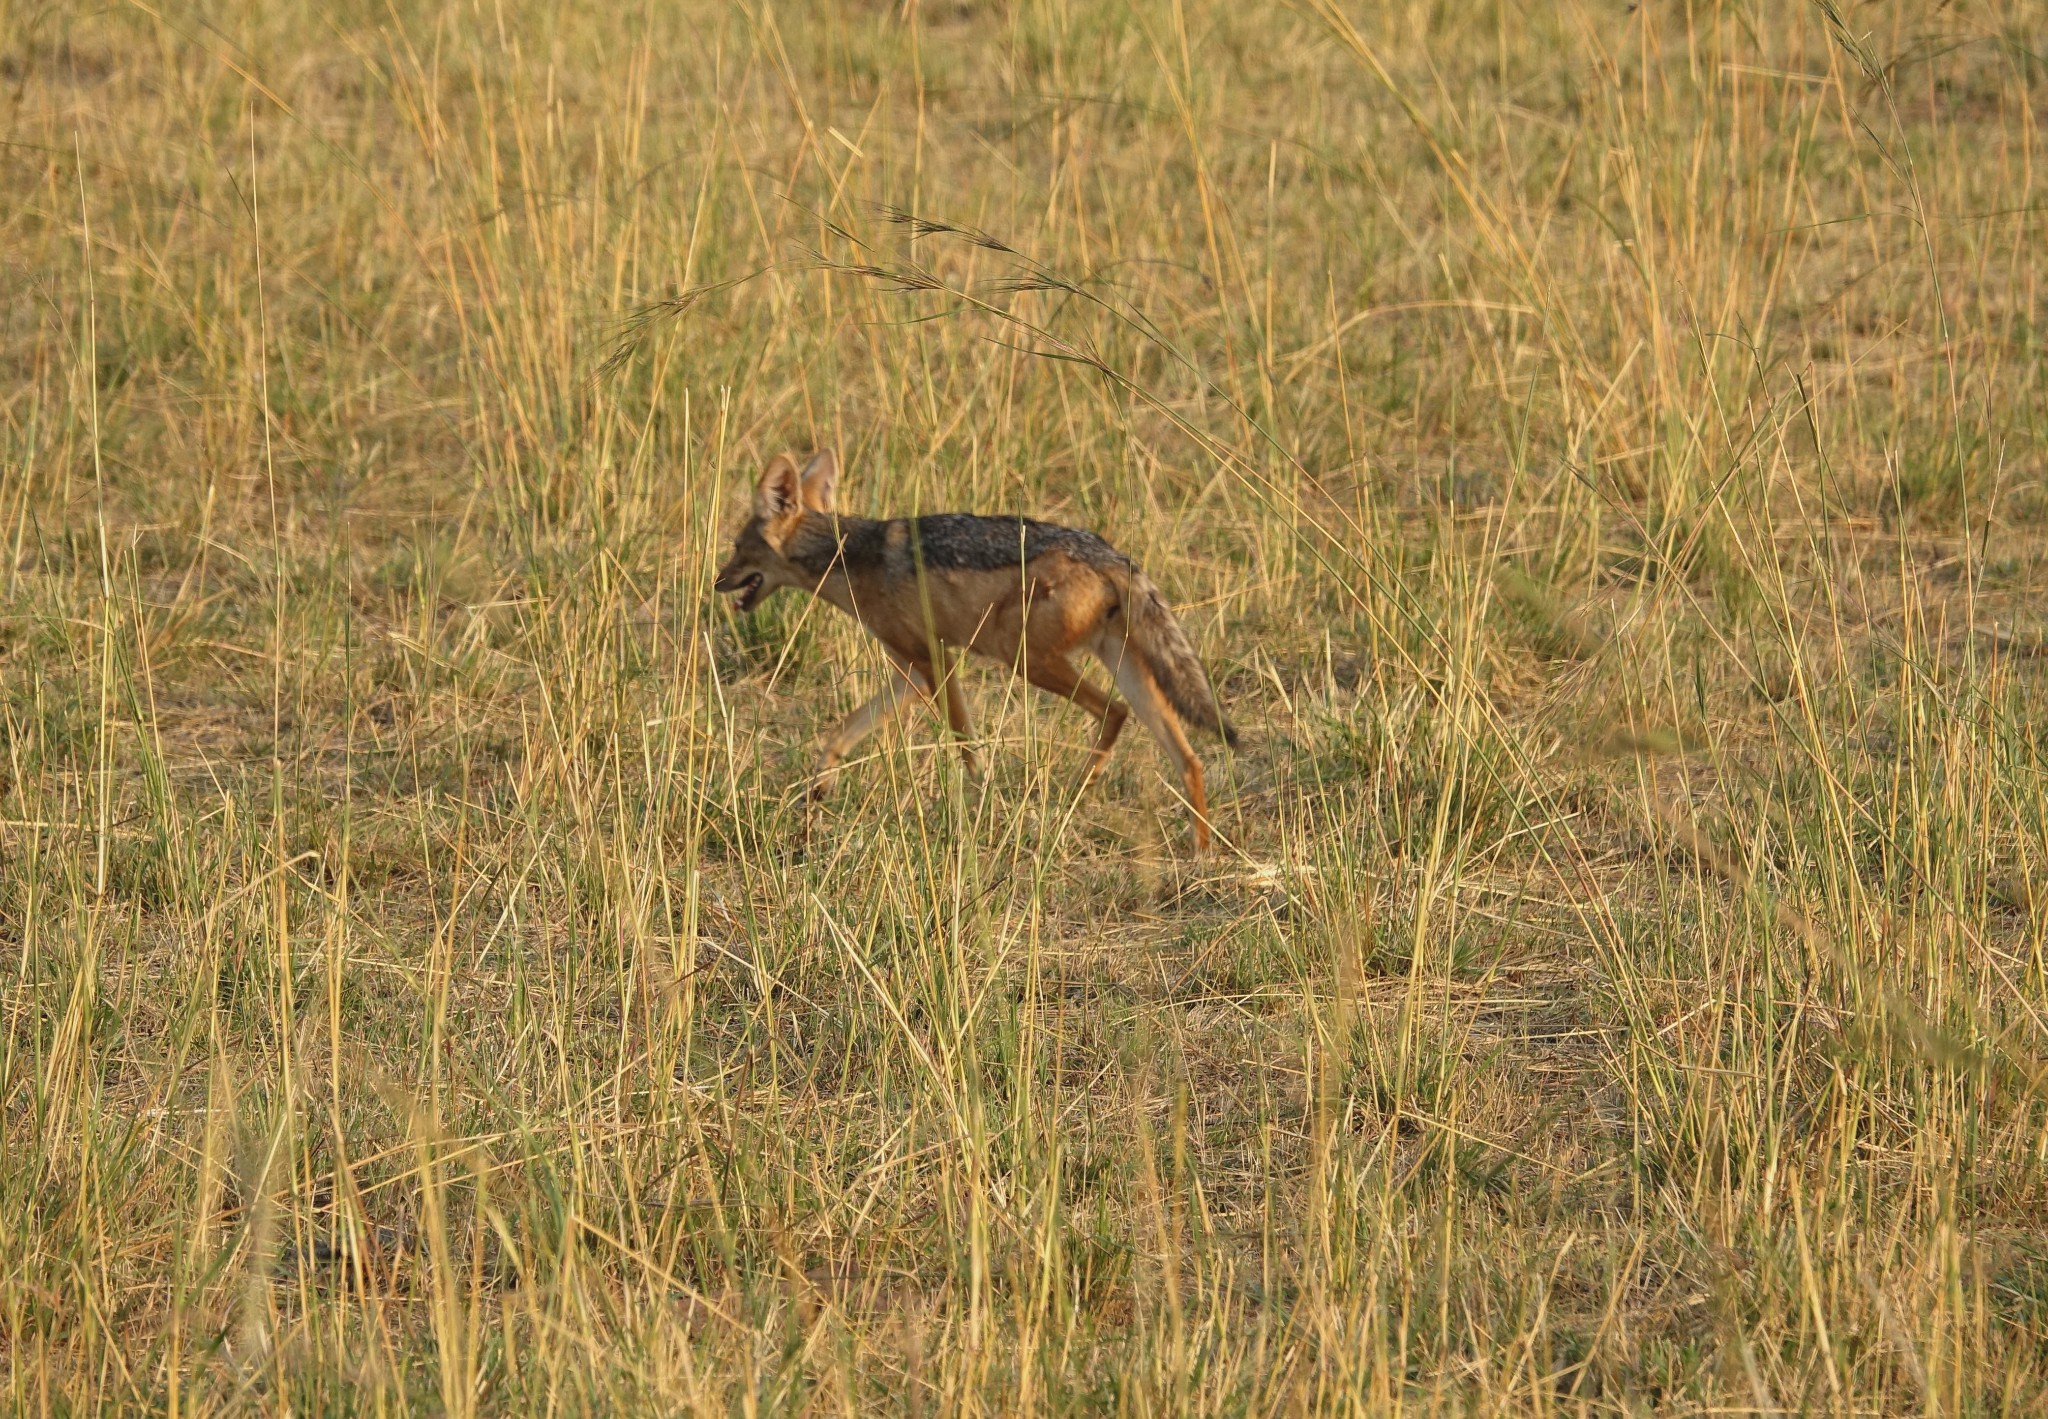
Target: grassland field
{"x": 1598, "y": 449}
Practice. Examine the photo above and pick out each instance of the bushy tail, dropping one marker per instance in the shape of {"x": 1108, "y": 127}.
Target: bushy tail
{"x": 1157, "y": 639}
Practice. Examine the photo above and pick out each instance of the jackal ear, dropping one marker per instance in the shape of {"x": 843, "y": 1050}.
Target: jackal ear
{"x": 821, "y": 480}
{"x": 780, "y": 493}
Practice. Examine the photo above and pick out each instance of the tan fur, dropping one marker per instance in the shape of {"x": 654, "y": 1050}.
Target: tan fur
{"x": 1031, "y": 616}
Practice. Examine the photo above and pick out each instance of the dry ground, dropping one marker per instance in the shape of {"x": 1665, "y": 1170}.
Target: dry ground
{"x": 1599, "y": 449}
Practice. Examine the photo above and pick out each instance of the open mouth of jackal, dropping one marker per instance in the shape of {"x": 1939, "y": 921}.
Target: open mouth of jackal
{"x": 746, "y": 592}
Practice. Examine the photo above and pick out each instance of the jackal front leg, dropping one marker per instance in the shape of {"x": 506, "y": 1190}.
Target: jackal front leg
{"x": 956, "y": 715}
{"x": 904, "y": 682}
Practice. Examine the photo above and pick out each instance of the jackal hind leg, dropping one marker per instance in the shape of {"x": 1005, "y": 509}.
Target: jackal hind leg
{"x": 1057, "y": 674}
{"x": 1160, "y": 720}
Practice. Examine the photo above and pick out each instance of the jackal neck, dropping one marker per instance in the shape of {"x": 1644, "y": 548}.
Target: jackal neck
{"x": 824, "y": 542}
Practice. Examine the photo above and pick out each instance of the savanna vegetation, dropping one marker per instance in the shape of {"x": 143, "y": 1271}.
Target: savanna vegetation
{"x": 1598, "y": 448}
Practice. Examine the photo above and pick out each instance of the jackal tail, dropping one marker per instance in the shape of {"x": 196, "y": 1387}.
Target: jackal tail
{"x": 1160, "y": 643}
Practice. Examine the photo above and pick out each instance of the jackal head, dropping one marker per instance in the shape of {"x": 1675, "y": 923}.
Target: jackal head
{"x": 782, "y": 498}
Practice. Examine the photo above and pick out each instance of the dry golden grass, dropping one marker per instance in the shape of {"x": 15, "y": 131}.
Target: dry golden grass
{"x": 1599, "y": 450}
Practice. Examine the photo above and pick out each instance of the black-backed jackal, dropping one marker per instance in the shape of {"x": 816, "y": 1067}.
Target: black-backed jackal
{"x": 1027, "y": 594}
